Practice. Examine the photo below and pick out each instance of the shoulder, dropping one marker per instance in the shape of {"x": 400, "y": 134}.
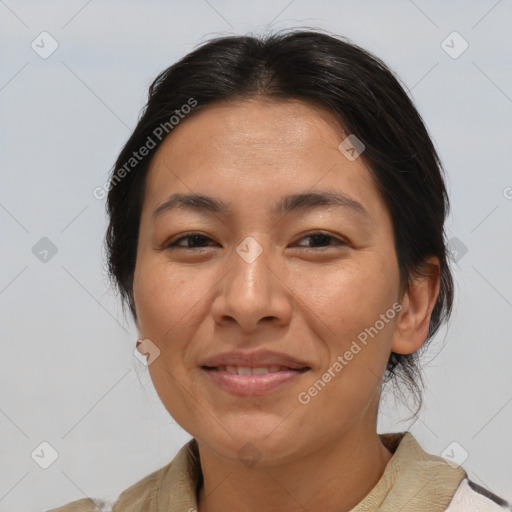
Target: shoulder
{"x": 86, "y": 505}
{"x": 173, "y": 483}
{"x": 471, "y": 497}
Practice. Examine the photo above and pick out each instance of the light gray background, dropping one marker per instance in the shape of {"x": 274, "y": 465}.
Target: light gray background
{"x": 68, "y": 374}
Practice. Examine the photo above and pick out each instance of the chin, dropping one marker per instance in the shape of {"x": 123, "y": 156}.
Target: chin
{"x": 253, "y": 446}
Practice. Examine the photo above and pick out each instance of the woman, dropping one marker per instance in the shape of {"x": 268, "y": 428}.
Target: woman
{"x": 277, "y": 231}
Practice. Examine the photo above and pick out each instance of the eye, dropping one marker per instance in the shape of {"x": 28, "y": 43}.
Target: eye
{"x": 197, "y": 241}
{"x": 322, "y": 239}
{"x": 194, "y": 241}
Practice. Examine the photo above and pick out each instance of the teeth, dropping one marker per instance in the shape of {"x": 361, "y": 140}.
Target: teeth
{"x": 246, "y": 370}
{"x": 259, "y": 371}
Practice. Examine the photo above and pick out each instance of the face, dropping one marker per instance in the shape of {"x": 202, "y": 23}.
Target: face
{"x": 301, "y": 287}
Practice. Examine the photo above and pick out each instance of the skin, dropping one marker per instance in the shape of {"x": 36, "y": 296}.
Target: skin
{"x": 301, "y": 296}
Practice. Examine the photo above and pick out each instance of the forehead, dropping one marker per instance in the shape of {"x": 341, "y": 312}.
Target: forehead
{"x": 283, "y": 124}
{"x": 255, "y": 150}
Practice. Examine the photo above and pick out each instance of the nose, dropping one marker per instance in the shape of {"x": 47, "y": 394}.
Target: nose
{"x": 254, "y": 291}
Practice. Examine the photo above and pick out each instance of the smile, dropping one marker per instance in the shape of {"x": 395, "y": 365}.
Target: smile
{"x": 246, "y": 380}
{"x": 247, "y": 370}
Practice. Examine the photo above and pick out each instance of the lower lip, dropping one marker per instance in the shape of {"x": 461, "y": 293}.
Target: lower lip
{"x": 253, "y": 385}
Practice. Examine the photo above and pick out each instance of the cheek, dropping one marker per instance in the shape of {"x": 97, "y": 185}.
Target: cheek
{"x": 350, "y": 303}
{"x": 164, "y": 295}
{"x": 167, "y": 301}
{"x": 168, "y": 304}
{"x": 350, "y": 297}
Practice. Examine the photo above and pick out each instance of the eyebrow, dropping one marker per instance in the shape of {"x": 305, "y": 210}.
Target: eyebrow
{"x": 293, "y": 202}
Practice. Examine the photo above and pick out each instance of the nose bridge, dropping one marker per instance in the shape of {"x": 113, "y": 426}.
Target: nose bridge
{"x": 250, "y": 290}
{"x": 251, "y": 261}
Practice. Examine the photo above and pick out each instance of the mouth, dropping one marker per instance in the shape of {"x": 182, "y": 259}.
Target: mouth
{"x": 248, "y": 370}
{"x": 252, "y": 380}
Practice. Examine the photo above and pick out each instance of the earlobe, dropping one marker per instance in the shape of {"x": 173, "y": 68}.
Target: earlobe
{"x": 413, "y": 322}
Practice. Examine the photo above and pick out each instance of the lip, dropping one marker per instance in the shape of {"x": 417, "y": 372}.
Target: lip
{"x": 252, "y": 385}
{"x": 290, "y": 369}
{"x": 254, "y": 359}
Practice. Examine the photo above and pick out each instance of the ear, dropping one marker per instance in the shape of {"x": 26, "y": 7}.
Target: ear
{"x": 413, "y": 321}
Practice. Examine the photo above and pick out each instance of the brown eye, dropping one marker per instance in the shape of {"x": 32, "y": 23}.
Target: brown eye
{"x": 322, "y": 240}
{"x": 192, "y": 241}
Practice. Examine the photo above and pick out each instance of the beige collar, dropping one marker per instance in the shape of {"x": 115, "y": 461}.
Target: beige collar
{"x": 413, "y": 481}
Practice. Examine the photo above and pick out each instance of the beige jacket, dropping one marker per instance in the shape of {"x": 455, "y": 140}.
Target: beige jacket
{"x": 413, "y": 481}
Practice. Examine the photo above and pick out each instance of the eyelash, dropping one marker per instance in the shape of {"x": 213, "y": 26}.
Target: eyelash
{"x": 174, "y": 244}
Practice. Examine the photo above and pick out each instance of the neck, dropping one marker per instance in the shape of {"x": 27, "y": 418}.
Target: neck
{"x": 334, "y": 478}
